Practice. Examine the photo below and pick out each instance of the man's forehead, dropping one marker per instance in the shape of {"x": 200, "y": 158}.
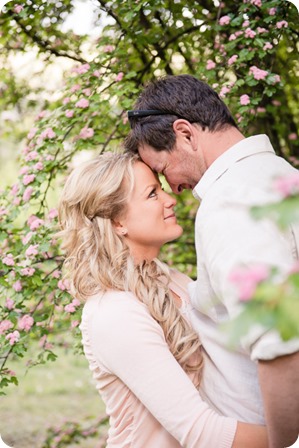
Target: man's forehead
{"x": 152, "y": 157}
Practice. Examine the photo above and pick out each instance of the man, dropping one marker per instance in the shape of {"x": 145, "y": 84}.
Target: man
{"x": 182, "y": 129}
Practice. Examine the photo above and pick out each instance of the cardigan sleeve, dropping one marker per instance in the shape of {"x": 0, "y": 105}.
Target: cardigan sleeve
{"x": 129, "y": 343}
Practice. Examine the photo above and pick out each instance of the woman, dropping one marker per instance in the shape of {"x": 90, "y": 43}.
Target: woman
{"x": 143, "y": 353}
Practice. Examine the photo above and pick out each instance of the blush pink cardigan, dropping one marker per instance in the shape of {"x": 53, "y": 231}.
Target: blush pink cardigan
{"x": 151, "y": 401}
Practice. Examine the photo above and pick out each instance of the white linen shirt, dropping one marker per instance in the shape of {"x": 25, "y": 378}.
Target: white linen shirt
{"x": 228, "y": 237}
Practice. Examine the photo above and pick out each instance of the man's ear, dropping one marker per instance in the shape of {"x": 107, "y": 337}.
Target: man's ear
{"x": 120, "y": 228}
{"x": 184, "y": 131}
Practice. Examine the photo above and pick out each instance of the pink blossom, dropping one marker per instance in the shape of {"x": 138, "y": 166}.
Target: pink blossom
{"x": 53, "y": 213}
{"x": 97, "y": 73}
{"x": 32, "y": 250}
{"x": 250, "y": 33}
{"x": 8, "y": 260}
{"x": 261, "y": 30}
{"x": 14, "y": 189}
{"x": 49, "y": 157}
{"x": 257, "y": 3}
{"x": 87, "y": 92}
{"x": 232, "y": 59}
{"x": 225, "y": 20}
{"x": 108, "y": 49}
{"x": 56, "y": 274}
{"x": 83, "y": 103}
{"x": 282, "y": 24}
{"x": 292, "y": 136}
{"x": 289, "y": 185}
{"x": 261, "y": 110}
{"x": 18, "y": 8}
{"x": 5, "y": 325}
{"x": 246, "y": 24}
{"x": 75, "y": 87}
{"x": 76, "y": 302}
{"x": 277, "y": 78}
{"x": 258, "y": 73}
{"x": 86, "y": 133}
{"x": 24, "y": 170}
{"x": 17, "y": 286}
{"x": 13, "y": 337}
{"x": 28, "y": 178}
{"x": 63, "y": 284}
{"x": 66, "y": 100}
{"x": 31, "y": 156}
{"x": 75, "y": 323}
{"x": 34, "y": 222}
{"x": 238, "y": 33}
{"x": 232, "y": 37}
{"x": 244, "y": 100}
{"x": 25, "y": 322}
{"x": 32, "y": 133}
{"x": 28, "y": 272}
{"x": 119, "y": 77}
{"x": 267, "y": 46}
{"x": 224, "y": 90}
{"x": 3, "y": 211}
{"x": 210, "y": 64}
{"x": 27, "y": 194}
{"x": 272, "y": 11}
{"x": 83, "y": 69}
{"x": 9, "y": 303}
{"x": 276, "y": 103}
{"x": 70, "y": 308}
{"x": 38, "y": 166}
{"x": 16, "y": 201}
{"x": 69, "y": 113}
{"x": 247, "y": 279}
{"x": 48, "y": 133}
{"x": 27, "y": 238}
{"x": 42, "y": 114}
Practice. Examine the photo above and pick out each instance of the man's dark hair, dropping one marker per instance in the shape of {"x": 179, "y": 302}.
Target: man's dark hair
{"x": 181, "y": 96}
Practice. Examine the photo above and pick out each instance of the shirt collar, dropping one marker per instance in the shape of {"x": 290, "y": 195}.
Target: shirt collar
{"x": 245, "y": 148}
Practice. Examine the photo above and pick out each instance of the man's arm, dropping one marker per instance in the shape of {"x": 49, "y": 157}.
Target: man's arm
{"x": 279, "y": 381}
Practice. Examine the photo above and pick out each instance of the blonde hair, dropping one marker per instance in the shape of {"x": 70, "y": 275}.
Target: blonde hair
{"x": 95, "y": 195}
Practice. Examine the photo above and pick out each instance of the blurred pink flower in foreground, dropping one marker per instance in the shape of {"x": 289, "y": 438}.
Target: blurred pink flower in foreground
{"x": 289, "y": 185}
{"x": 247, "y": 279}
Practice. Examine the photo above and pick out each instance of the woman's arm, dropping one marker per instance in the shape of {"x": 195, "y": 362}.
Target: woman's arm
{"x": 135, "y": 350}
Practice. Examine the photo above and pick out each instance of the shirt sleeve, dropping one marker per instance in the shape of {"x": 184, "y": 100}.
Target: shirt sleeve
{"x": 230, "y": 238}
{"x": 135, "y": 350}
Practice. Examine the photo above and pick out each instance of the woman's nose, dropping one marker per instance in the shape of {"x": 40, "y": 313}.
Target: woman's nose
{"x": 170, "y": 200}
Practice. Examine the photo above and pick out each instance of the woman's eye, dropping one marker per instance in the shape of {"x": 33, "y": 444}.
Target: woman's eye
{"x": 153, "y": 193}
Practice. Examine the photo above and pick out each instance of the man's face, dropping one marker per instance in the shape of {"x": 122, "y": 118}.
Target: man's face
{"x": 181, "y": 166}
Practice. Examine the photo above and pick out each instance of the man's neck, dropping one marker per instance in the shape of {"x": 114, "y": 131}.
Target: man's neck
{"x": 214, "y": 144}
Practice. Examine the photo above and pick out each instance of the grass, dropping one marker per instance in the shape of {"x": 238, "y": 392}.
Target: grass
{"x": 49, "y": 395}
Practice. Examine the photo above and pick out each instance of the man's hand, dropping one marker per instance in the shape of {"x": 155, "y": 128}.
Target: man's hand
{"x": 279, "y": 381}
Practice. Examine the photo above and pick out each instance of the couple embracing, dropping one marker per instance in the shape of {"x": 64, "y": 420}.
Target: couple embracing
{"x": 150, "y": 334}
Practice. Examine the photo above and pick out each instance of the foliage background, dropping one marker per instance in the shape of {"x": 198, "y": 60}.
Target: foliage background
{"x": 64, "y": 96}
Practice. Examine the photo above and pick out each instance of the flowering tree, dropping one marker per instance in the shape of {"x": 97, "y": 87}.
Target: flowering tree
{"x": 245, "y": 50}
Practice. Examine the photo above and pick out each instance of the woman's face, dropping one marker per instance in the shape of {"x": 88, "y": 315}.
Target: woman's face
{"x": 150, "y": 220}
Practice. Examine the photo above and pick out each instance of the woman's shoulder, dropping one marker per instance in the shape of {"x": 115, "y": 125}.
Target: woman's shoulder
{"x": 111, "y": 304}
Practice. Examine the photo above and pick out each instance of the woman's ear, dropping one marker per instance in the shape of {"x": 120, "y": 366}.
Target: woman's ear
{"x": 120, "y": 229}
